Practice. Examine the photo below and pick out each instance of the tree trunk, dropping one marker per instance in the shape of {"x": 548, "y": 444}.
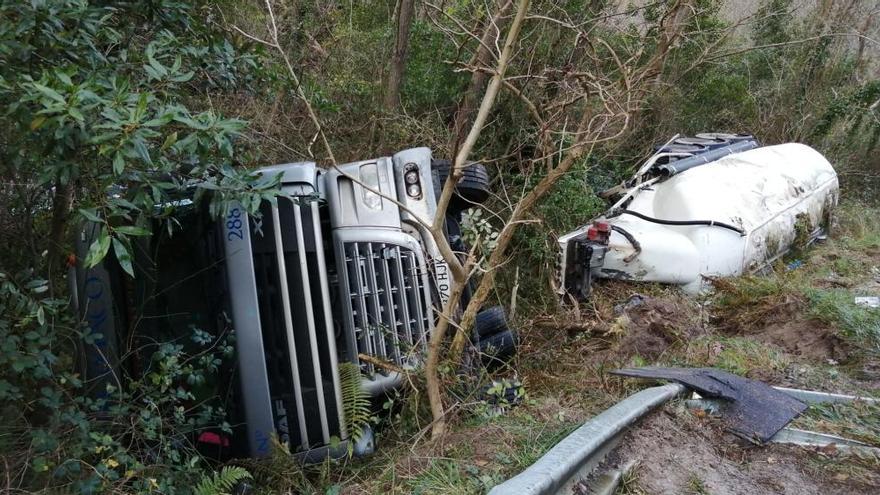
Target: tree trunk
{"x": 432, "y": 376}
{"x": 62, "y": 202}
{"x": 398, "y": 57}
{"x": 864, "y": 29}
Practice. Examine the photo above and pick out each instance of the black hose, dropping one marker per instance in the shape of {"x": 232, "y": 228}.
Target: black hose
{"x": 711, "y": 223}
{"x": 632, "y": 240}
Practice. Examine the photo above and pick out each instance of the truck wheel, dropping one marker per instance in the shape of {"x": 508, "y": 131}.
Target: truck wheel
{"x": 489, "y": 322}
{"x": 498, "y": 348}
{"x": 471, "y": 190}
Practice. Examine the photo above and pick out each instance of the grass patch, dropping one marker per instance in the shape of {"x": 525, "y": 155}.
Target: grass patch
{"x": 857, "y": 420}
{"x": 836, "y": 307}
{"x": 448, "y": 476}
{"x": 739, "y": 303}
{"x": 738, "y": 355}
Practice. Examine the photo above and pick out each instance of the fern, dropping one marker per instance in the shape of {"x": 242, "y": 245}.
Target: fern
{"x": 355, "y": 401}
{"x": 223, "y": 482}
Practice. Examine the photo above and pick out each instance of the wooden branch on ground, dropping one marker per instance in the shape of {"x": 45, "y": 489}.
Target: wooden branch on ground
{"x": 381, "y": 363}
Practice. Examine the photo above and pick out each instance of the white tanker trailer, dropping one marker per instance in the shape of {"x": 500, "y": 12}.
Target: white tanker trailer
{"x": 716, "y": 205}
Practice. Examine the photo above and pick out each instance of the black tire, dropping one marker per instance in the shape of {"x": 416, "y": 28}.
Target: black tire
{"x": 497, "y": 349}
{"x": 471, "y": 190}
{"x": 489, "y": 322}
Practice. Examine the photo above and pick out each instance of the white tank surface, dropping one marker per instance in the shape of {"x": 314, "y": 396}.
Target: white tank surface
{"x": 741, "y": 212}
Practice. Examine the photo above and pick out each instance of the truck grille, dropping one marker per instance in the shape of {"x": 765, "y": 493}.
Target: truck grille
{"x": 386, "y": 302}
{"x": 297, "y": 326}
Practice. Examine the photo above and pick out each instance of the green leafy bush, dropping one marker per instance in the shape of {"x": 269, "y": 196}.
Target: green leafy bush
{"x": 105, "y": 120}
{"x": 136, "y": 435}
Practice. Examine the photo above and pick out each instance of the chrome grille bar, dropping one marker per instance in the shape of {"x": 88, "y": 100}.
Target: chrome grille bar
{"x": 373, "y": 290}
{"x": 391, "y": 308}
{"x": 288, "y": 326}
{"x": 328, "y": 317}
{"x": 415, "y": 285}
{"x": 361, "y": 311}
{"x": 310, "y": 319}
{"x": 402, "y": 293}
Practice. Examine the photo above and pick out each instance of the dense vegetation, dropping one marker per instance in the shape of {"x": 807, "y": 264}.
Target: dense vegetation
{"x": 111, "y": 107}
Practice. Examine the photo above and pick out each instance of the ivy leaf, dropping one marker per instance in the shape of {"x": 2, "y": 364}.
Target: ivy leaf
{"x": 123, "y": 256}
{"x": 98, "y": 249}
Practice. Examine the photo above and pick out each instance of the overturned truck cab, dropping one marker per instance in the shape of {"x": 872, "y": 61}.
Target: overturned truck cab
{"x": 714, "y": 205}
{"x": 338, "y": 270}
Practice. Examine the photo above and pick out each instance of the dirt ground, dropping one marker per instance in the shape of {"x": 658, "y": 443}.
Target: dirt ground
{"x": 655, "y": 324}
{"x": 804, "y": 338}
{"x": 678, "y": 453}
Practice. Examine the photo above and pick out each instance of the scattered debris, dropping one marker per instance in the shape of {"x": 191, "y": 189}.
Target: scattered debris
{"x": 868, "y": 301}
{"x": 751, "y": 409}
{"x": 634, "y": 301}
{"x": 814, "y": 397}
{"x": 794, "y": 265}
{"x": 807, "y": 438}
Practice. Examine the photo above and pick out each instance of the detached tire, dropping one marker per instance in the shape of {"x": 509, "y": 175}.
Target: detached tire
{"x": 472, "y": 189}
{"x": 497, "y": 349}
{"x": 490, "y": 322}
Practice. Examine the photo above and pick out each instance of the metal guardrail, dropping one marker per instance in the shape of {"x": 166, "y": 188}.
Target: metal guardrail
{"x": 575, "y": 457}
{"x": 562, "y": 469}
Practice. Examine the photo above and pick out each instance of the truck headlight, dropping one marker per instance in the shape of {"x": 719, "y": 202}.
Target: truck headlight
{"x": 413, "y": 181}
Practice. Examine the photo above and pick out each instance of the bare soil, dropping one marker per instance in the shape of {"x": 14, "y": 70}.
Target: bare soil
{"x": 656, "y": 324}
{"x": 809, "y": 339}
{"x": 679, "y": 453}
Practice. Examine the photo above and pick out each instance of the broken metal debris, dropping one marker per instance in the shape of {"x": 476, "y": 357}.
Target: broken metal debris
{"x": 751, "y": 409}
{"x": 793, "y": 436}
{"x": 808, "y": 438}
{"x": 868, "y": 301}
{"x": 814, "y": 397}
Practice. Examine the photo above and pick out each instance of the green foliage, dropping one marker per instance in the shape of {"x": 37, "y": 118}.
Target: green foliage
{"x": 772, "y": 20}
{"x": 106, "y": 121}
{"x": 136, "y": 433}
{"x": 478, "y": 232}
{"x": 355, "y": 401}
{"x": 853, "y": 109}
{"x": 837, "y": 307}
{"x": 223, "y": 482}
{"x": 97, "y": 98}
{"x": 431, "y": 83}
